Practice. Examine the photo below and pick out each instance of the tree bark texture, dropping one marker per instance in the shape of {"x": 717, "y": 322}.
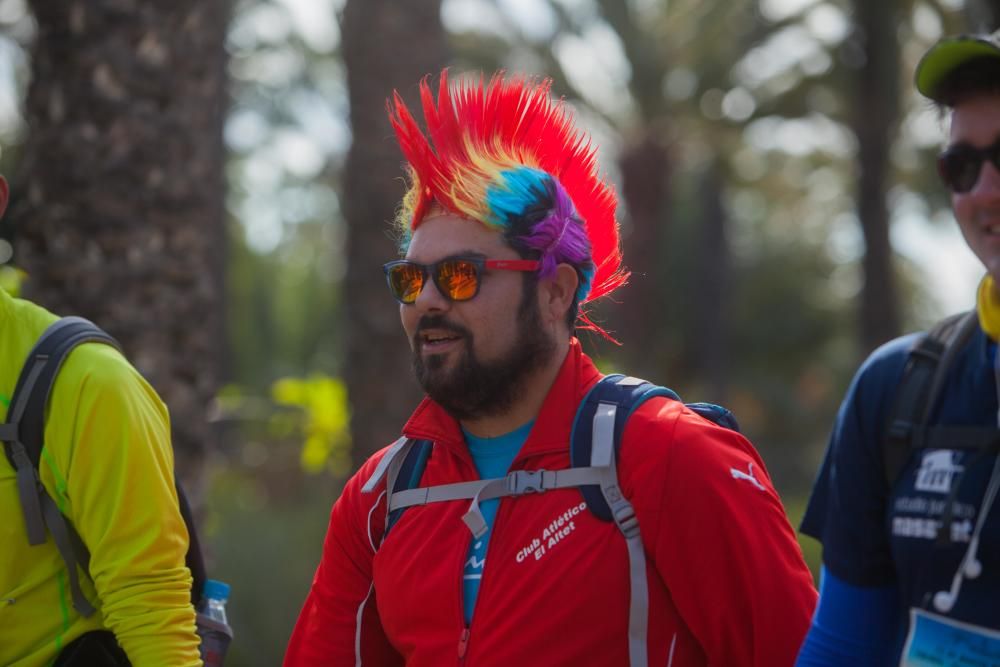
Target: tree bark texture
{"x": 645, "y": 163}
{"x": 645, "y": 167}
{"x": 875, "y": 116}
{"x": 119, "y": 196}
{"x": 387, "y": 45}
{"x": 714, "y": 285}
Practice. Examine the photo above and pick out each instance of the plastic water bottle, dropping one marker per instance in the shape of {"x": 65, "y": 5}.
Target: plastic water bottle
{"x": 213, "y": 628}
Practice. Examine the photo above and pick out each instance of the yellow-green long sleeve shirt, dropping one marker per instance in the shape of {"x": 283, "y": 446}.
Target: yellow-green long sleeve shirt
{"x": 107, "y": 462}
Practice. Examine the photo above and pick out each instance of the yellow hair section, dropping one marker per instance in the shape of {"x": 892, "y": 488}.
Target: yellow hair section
{"x": 470, "y": 182}
{"x": 404, "y": 214}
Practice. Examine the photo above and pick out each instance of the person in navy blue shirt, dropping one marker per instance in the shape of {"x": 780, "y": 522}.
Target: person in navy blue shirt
{"x": 911, "y": 563}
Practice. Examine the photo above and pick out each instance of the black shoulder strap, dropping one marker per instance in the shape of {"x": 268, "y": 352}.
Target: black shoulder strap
{"x": 923, "y": 378}
{"x": 194, "y": 559}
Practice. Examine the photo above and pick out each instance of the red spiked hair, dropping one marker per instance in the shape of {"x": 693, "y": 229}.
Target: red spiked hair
{"x": 477, "y": 133}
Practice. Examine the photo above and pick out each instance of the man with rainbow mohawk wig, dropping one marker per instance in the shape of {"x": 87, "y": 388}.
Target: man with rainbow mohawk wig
{"x": 507, "y": 232}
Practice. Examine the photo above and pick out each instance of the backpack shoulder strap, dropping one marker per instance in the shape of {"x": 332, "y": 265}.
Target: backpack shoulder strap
{"x": 406, "y": 476}
{"x": 195, "y": 558}
{"x": 923, "y": 378}
{"x": 595, "y": 440}
{"x": 626, "y": 394}
{"x": 401, "y": 467}
{"x": 23, "y": 436}
{"x": 26, "y": 415}
{"x": 715, "y": 413}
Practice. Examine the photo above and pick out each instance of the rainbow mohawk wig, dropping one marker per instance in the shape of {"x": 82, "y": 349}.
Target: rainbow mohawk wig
{"x": 508, "y": 156}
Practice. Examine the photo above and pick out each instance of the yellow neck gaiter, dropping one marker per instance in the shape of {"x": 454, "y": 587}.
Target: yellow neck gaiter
{"x": 988, "y": 307}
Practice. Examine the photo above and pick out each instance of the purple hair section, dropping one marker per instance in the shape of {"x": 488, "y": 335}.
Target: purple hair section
{"x": 561, "y": 237}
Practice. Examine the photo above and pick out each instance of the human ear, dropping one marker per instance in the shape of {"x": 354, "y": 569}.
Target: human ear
{"x": 558, "y": 293}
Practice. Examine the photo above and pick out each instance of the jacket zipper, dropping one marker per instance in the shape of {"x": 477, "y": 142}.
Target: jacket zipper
{"x": 463, "y": 645}
{"x": 463, "y": 637}
{"x": 466, "y": 633}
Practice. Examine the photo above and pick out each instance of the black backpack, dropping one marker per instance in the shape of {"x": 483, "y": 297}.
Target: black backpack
{"x": 594, "y": 444}
{"x": 23, "y": 434}
{"x": 907, "y": 428}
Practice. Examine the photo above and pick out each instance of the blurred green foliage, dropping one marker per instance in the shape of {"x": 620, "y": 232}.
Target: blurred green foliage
{"x": 323, "y": 401}
{"x": 267, "y": 504}
{"x": 263, "y": 531}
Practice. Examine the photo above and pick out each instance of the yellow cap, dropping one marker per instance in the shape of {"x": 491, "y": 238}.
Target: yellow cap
{"x": 944, "y": 57}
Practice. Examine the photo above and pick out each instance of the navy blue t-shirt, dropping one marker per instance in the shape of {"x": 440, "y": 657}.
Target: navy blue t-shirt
{"x": 874, "y": 536}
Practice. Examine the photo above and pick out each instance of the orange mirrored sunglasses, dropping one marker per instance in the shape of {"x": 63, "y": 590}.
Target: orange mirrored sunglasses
{"x": 457, "y": 278}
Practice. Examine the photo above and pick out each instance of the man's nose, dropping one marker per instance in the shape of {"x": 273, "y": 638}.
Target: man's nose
{"x": 430, "y": 298}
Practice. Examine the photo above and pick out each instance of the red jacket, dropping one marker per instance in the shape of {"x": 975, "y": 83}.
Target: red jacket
{"x": 727, "y": 583}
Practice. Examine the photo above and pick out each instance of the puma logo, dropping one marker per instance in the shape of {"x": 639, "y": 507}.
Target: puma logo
{"x": 748, "y": 476}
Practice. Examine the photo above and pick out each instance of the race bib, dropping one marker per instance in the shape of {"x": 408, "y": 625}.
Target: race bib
{"x": 937, "y": 641}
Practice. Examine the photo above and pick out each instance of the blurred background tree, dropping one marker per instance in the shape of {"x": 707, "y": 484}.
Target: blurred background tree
{"x": 410, "y": 43}
{"x": 779, "y": 206}
{"x": 119, "y": 212}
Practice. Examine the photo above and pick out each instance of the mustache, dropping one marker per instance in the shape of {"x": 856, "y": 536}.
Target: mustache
{"x": 440, "y": 323}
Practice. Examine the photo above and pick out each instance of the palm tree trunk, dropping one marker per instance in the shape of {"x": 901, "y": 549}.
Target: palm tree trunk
{"x": 119, "y": 210}
{"x": 645, "y": 167}
{"x": 387, "y": 45}
{"x": 875, "y": 114}
{"x": 714, "y": 285}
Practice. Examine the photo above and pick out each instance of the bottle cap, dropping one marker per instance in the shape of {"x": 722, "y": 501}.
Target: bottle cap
{"x": 216, "y": 590}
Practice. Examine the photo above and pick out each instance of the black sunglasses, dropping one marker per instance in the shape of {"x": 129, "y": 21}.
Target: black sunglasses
{"x": 457, "y": 278}
{"x": 960, "y": 165}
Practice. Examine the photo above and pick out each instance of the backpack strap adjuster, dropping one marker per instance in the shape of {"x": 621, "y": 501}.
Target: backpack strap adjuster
{"x": 627, "y": 521}
{"x": 520, "y": 482}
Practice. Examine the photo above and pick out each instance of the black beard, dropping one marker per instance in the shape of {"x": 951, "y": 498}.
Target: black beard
{"x": 474, "y": 389}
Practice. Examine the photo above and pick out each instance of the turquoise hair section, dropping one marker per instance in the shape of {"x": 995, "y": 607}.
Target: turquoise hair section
{"x": 518, "y": 190}
{"x": 559, "y": 235}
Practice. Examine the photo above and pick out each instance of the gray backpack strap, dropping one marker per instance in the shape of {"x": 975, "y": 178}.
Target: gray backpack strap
{"x": 521, "y": 482}
{"x": 424, "y": 495}
{"x": 29, "y": 484}
{"x": 29, "y": 487}
{"x": 388, "y": 468}
{"x": 23, "y": 435}
{"x": 393, "y": 455}
{"x": 515, "y": 483}
{"x": 602, "y": 458}
{"x": 72, "y": 550}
